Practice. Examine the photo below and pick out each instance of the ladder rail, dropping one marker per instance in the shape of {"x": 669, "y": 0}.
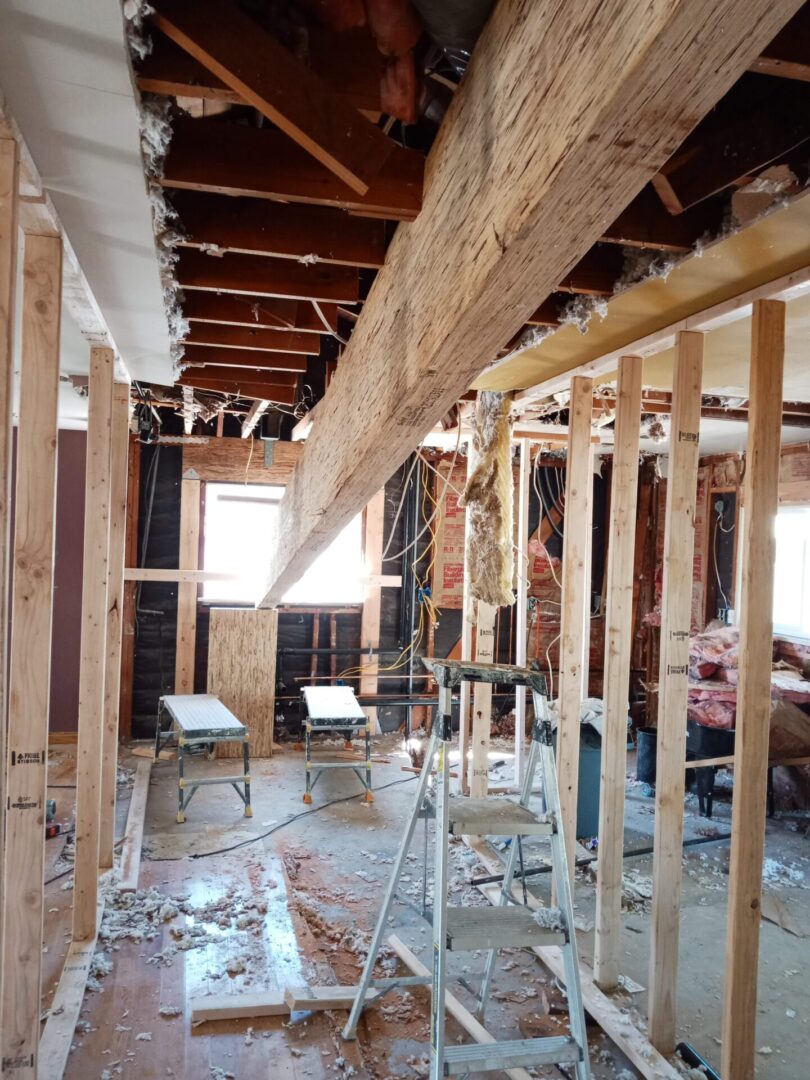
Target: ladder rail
{"x": 441, "y": 857}
{"x": 350, "y": 1030}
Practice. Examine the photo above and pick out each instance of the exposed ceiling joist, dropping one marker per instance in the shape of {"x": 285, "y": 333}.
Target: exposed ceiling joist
{"x": 259, "y": 227}
{"x": 261, "y": 276}
{"x": 249, "y": 387}
{"x": 727, "y": 311}
{"x": 788, "y": 55}
{"x": 352, "y": 69}
{"x": 233, "y": 159}
{"x": 249, "y": 339}
{"x": 255, "y": 311}
{"x": 511, "y": 200}
{"x": 249, "y": 60}
{"x": 271, "y": 361}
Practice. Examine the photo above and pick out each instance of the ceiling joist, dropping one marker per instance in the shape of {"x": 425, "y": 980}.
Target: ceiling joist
{"x": 261, "y": 276}
{"x": 234, "y": 159}
{"x": 249, "y": 60}
{"x": 259, "y": 311}
{"x": 271, "y": 361}
{"x": 249, "y": 339}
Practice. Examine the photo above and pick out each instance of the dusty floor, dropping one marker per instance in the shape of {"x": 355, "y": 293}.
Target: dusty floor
{"x": 296, "y": 906}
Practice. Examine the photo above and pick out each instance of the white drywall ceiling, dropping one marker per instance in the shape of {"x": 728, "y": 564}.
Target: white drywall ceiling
{"x": 65, "y": 75}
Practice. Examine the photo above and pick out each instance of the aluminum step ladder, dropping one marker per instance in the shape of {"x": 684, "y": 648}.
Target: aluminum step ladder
{"x": 507, "y": 925}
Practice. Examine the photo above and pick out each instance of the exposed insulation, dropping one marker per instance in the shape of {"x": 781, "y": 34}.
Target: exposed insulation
{"x": 135, "y": 14}
{"x": 488, "y": 499}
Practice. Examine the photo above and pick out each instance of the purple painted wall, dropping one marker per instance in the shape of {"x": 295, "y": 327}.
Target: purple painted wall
{"x": 67, "y": 596}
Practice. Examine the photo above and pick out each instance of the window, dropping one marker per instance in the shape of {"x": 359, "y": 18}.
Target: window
{"x": 791, "y": 593}
{"x": 239, "y": 525}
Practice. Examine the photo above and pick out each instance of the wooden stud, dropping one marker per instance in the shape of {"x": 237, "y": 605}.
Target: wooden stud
{"x": 618, "y": 647}
{"x": 679, "y": 545}
{"x": 233, "y": 159}
{"x": 480, "y": 256}
{"x": 575, "y": 601}
{"x": 522, "y": 577}
{"x": 754, "y": 691}
{"x": 9, "y": 183}
{"x": 187, "y": 591}
{"x": 93, "y": 644}
{"x": 249, "y": 60}
{"x": 482, "y": 701}
{"x": 30, "y": 662}
{"x": 373, "y": 540}
{"x": 115, "y": 606}
{"x": 162, "y": 574}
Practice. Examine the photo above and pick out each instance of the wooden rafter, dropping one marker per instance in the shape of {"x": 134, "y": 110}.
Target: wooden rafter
{"x": 251, "y": 340}
{"x": 258, "y": 311}
{"x": 254, "y": 415}
{"x": 788, "y": 55}
{"x": 247, "y": 388}
{"x": 257, "y": 275}
{"x": 232, "y": 159}
{"x": 351, "y": 67}
{"x": 504, "y": 218}
{"x": 290, "y": 95}
{"x": 259, "y": 227}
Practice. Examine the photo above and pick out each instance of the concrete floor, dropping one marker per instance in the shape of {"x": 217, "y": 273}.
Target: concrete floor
{"x": 322, "y": 877}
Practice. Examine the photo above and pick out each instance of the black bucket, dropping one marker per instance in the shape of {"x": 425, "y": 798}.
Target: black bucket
{"x": 647, "y": 741}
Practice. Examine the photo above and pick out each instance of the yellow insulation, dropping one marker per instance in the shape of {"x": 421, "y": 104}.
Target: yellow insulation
{"x": 488, "y": 498}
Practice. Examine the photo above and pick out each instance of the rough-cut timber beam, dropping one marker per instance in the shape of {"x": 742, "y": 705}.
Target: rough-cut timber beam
{"x": 232, "y": 159}
{"x": 248, "y": 339}
{"x": 255, "y": 311}
{"x": 714, "y": 160}
{"x": 510, "y": 203}
{"x": 353, "y": 69}
{"x": 270, "y": 360}
{"x": 250, "y": 387}
{"x": 260, "y": 227}
{"x": 255, "y": 274}
{"x": 267, "y": 76}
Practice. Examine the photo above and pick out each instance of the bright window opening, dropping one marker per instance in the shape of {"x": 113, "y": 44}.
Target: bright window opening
{"x": 791, "y": 593}
{"x": 240, "y": 524}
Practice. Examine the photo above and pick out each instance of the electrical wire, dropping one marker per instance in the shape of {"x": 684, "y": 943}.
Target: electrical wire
{"x": 296, "y": 817}
{"x": 399, "y": 510}
{"x": 718, "y": 522}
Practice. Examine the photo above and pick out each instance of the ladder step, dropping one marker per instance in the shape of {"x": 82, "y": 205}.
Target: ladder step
{"x": 515, "y": 1054}
{"x": 470, "y": 928}
{"x": 495, "y": 817}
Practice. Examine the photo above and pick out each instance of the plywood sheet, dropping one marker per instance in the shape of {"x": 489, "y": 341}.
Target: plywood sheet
{"x": 242, "y": 672}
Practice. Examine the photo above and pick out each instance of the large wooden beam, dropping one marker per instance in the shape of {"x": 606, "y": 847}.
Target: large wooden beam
{"x": 119, "y": 453}
{"x": 22, "y": 887}
{"x": 509, "y": 206}
{"x": 93, "y": 644}
{"x": 676, "y": 613}
{"x": 575, "y": 608}
{"x": 9, "y": 180}
{"x": 258, "y": 275}
{"x": 232, "y": 159}
{"x": 754, "y": 691}
{"x": 249, "y": 60}
{"x": 260, "y": 227}
{"x": 618, "y": 648}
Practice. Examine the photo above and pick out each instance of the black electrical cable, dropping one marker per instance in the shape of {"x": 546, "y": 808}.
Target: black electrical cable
{"x": 296, "y": 817}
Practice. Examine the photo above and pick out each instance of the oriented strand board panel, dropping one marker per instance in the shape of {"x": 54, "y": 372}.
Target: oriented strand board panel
{"x": 242, "y": 672}
{"x": 240, "y": 461}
